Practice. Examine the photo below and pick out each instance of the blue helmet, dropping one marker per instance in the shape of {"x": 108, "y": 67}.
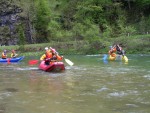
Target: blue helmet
{"x": 110, "y": 47}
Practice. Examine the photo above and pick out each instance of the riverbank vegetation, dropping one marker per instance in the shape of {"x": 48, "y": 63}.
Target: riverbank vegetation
{"x": 75, "y": 26}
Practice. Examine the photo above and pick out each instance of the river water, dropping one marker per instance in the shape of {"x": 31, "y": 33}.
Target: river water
{"x": 90, "y": 86}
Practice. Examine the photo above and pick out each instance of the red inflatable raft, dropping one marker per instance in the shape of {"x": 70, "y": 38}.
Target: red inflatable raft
{"x": 55, "y": 66}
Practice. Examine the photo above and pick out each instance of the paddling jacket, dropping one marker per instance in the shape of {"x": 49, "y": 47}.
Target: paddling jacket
{"x": 13, "y": 55}
{"x": 111, "y": 51}
{"x": 50, "y": 56}
{"x": 4, "y": 56}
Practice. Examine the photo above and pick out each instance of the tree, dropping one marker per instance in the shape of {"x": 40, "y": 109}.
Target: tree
{"x": 21, "y": 42}
{"x": 42, "y": 20}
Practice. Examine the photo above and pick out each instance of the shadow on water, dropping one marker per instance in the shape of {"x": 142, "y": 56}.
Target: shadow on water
{"x": 11, "y": 89}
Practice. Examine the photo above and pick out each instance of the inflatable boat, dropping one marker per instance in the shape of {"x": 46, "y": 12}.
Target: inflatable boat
{"x": 123, "y": 58}
{"x": 52, "y": 67}
{"x": 17, "y": 59}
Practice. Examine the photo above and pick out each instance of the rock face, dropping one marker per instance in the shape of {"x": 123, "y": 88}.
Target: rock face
{"x": 9, "y": 20}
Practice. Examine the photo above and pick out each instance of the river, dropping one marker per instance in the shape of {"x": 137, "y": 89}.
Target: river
{"x": 89, "y": 86}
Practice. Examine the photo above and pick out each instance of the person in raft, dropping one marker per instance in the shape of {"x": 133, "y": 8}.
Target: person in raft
{"x": 50, "y": 56}
{"x": 13, "y": 54}
{"x": 4, "y": 55}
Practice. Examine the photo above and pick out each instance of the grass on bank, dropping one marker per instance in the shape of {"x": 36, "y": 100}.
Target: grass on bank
{"x": 132, "y": 45}
{"x": 62, "y": 47}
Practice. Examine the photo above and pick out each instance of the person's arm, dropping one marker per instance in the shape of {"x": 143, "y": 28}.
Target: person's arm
{"x": 43, "y": 57}
{"x": 16, "y": 55}
{"x": 59, "y": 57}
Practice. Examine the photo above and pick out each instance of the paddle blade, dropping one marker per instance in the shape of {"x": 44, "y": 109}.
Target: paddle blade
{"x": 125, "y": 59}
{"x": 8, "y": 61}
{"x": 69, "y": 62}
{"x": 105, "y": 57}
{"x": 33, "y": 62}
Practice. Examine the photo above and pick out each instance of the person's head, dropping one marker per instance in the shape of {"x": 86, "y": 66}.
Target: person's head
{"x": 5, "y": 51}
{"x": 46, "y": 48}
{"x": 110, "y": 47}
{"x": 13, "y": 51}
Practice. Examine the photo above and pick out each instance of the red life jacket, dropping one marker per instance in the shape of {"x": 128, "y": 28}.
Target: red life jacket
{"x": 48, "y": 54}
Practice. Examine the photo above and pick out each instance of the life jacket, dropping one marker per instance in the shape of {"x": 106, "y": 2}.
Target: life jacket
{"x": 13, "y": 55}
{"x": 112, "y": 51}
{"x": 43, "y": 57}
{"x": 48, "y": 54}
{"x": 55, "y": 57}
{"x": 4, "y": 56}
{"x": 113, "y": 55}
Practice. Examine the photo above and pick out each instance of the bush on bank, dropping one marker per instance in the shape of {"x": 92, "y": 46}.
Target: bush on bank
{"x": 132, "y": 45}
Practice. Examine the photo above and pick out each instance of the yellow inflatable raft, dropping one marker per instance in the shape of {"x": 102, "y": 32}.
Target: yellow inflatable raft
{"x": 112, "y": 58}
{"x": 124, "y": 58}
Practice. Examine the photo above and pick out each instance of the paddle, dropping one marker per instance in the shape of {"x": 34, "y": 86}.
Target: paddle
{"x": 8, "y": 61}
{"x": 33, "y": 62}
{"x": 69, "y": 62}
{"x": 105, "y": 57}
{"x": 125, "y": 58}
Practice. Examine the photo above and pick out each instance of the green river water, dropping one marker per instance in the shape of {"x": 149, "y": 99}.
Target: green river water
{"x": 90, "y": 86}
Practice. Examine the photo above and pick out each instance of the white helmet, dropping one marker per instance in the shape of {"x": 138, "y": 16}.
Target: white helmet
{"x": 46, "y": 48}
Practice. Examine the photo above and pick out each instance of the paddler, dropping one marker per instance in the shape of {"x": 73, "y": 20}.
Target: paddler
{"x": 4, "y": 55}
{"x": 120, "y": 51}
{"x": 13, "y": 54}
{"x": 46, "y": 55}
{"x": 50, "y": 56}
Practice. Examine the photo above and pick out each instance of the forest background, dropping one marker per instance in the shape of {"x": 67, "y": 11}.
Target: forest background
{"x": 75, "y": 26}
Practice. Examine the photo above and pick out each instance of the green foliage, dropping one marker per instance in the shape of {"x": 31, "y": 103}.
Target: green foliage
{"x": 21, "y": 42}
{"x": 42, "y": 20}
{"x": 142, "y": 3}
{"x": 86, "y": 30}
{"x": 96, "y": 23}
{"x": 144, "y": 25}
{"x": 21, "y": 35}
{"x": 89, "y": 10}
{"x": 56, "y": 33}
